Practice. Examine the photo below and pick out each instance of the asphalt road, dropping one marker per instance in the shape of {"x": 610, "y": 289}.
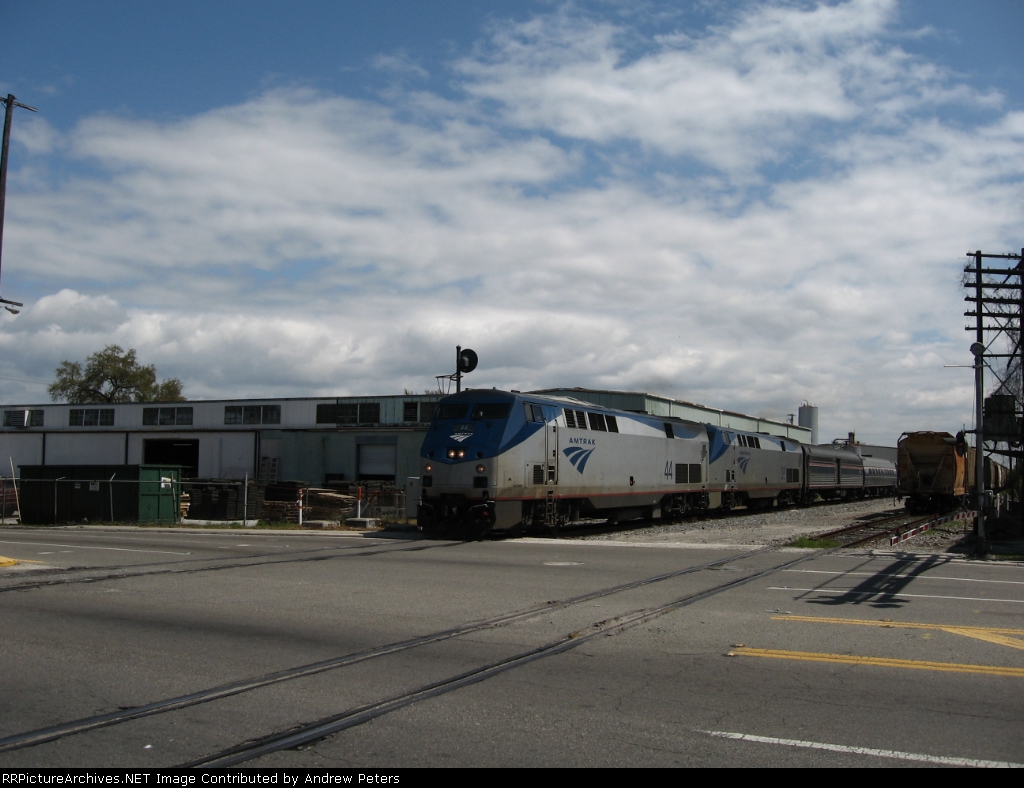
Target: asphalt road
{"x": 840, "y": 659}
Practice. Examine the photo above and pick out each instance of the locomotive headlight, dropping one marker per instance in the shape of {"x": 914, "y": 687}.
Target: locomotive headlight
{"x": 428, "y": 467}
{"x": 461, "y": 453}
{"x": 451, "y": 454}
{"x": 480, "y": 468}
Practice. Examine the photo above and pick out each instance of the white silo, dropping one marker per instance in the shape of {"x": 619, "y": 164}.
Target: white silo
{"x": 809, "y": 418}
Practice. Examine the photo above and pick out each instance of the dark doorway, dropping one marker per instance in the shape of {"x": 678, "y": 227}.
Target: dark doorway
{"x": 173, "y": 452}
{"x": 377, "y": 462}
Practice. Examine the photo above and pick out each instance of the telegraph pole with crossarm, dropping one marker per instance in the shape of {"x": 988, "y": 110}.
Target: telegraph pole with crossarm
{"x": 9, "y": 104}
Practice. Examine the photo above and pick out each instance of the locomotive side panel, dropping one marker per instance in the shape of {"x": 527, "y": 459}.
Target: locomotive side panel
{"x": 753, "y": 467}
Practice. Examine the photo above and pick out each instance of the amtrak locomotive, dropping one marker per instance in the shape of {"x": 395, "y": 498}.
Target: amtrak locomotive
{"x": 509, "y": 462}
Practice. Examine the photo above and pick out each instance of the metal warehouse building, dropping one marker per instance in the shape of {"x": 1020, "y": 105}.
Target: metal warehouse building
{"x": 311, "y": 439}
{"x": 316, "y": 439}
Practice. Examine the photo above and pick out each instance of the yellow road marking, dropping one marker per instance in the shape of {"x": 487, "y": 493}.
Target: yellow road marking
{"x": 4, "y": 561}
{"x": 989, "y": 637}
{"x": 881, "y": 662}
{"x": 995, "y": 635}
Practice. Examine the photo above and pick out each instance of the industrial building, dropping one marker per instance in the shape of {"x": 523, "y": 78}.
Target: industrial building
{"x": 314, "y": 439}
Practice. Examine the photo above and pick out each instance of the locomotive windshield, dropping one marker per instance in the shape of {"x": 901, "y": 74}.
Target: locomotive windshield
{"x": 492, "y": 410}
{"x": 452, "y": 411}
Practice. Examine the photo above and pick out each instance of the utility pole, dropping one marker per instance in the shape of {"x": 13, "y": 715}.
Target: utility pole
{"x": 998, "y": 297}
{"x": 9, "y": 104}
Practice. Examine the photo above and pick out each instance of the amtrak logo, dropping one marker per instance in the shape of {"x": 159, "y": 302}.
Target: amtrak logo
{"x": 461, "y": 436}
{"x": 743, "y": 463}
{"x": 578, "y": 457}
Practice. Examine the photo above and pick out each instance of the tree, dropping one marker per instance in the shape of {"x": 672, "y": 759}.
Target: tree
{"x": 111, "y": 375}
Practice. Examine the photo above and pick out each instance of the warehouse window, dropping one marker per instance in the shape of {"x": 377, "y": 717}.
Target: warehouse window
{"x": 326, "y": 414}
{"x": 369, "y": 413}
{"x": 91, "y": 417}
{"x": 250, "y": 414}
{"x": 166, "y": 417}
{"x": 349, "y": 413}
{"x": 411, "y": 411}
{"x": 23, "y": 418}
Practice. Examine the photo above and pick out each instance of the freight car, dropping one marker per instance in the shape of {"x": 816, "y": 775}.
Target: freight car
{"x": 936, "y": 471}
{"x": 510, "y": 462}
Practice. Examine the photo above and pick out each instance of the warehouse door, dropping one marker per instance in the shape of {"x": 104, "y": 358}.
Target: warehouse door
{"x": 377, "y": 462}
{"x": 173, "y": 452}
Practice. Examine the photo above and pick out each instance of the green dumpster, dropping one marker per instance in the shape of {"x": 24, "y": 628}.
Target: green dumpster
{"x": 52, "y": 494}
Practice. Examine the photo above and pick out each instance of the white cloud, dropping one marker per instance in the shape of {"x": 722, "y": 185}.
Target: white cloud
{"x": 732, "y": 97}
{"x": 302, "y": 243}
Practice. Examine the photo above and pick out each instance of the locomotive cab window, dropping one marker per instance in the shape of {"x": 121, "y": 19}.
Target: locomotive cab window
{"x": 491, "y": 410}
{"x": 597, "y": 422}
{"x": 570, "y": 418}
{"x": 452, "y": 411}
{"x": 533, "y": 412}
{"x": 669, "y": 432}
{"x": 613, "y": 425}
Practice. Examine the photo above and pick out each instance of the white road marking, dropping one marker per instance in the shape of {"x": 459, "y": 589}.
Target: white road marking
{"x": 902, "y": 756}
{"x": 913, "y": 577}
{"x": 900, "y": 595}
{"x": 86, "y": 547}
{"x": 563, "y": 563}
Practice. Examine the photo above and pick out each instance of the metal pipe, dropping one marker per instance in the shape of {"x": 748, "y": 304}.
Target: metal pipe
{"x": 245, "y": 503}
{"x": 17, "y": 501}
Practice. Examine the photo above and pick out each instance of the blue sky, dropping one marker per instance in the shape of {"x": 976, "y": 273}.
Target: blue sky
{"x": 746, "y": 204}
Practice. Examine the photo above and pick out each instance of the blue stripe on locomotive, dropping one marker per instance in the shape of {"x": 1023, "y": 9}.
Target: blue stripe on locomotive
{"x": 491, "y": 437}
{"x": 487, "y": 437}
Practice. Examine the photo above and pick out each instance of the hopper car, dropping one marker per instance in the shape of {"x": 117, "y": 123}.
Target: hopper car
{"x": 936, "y": 471}
{"x": 496, "y": 461}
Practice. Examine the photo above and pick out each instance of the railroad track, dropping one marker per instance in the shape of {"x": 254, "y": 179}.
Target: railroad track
{"x": 861, "y": 533}
{"x": 44, "y": 578}
{"x": 318, "y": 729}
